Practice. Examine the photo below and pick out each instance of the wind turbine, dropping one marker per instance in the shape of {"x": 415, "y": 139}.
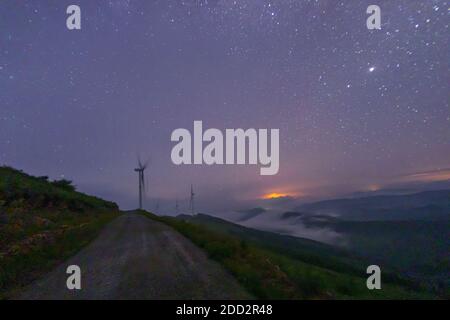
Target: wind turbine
{"x": 191, "y": 201}
{"x": 140, "y": 170}
{"x": 157, "y": 206}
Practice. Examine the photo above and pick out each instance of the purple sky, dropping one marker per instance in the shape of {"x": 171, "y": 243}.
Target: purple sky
{"x": 357, "y": 109}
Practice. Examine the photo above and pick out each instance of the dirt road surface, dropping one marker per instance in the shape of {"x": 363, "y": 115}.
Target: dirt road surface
{"x": 135, "y": 257}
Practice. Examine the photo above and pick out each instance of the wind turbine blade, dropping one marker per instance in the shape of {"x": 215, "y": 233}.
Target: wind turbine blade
{"x": 145, "y": 165}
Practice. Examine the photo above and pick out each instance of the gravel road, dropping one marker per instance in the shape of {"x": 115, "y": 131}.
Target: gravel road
{"x": 135, "y": 257}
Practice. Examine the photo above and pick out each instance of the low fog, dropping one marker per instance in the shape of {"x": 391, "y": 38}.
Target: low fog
{"x": 270, "y": 221}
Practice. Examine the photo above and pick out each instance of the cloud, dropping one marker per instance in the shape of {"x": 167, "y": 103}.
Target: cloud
{"x": 270, "y": 221}
{"x": 427, "y": 176}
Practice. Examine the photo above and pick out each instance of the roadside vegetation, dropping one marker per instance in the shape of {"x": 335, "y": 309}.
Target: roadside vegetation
{"x": 268, "y": 274}
{"x": 42, "y": 223}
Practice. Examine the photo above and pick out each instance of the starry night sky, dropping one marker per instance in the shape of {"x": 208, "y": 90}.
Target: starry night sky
{"x": 357, "y": 109}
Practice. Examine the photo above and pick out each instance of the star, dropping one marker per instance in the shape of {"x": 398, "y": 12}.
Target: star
{"x": 319, "y": 74}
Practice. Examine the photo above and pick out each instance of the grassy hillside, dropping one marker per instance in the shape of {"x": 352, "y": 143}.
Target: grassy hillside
{"x": 270, "y": 269}
{"x": 339, "y": 259}
{"x": 417, "y": 249}
{"x": 301, "y": 248}
{"x": 41, "y": 224}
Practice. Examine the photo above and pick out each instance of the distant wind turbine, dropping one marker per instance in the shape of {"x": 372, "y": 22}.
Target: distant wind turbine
{"x": 157, "y": 206}
{"x": 191, "y": 201}
{"x": 140, "y": 170}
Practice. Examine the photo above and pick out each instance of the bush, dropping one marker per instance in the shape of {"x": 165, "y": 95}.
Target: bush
{"x": 64, "y": 184}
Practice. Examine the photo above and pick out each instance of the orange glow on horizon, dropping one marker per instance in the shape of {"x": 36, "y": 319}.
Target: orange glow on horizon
{"x": 281, "y": 192}
{"x": 275, "y": 195}
{"x": 374, "y": 187}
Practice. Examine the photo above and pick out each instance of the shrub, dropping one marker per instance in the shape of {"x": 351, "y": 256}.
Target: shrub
{"x": 64, "y": 184}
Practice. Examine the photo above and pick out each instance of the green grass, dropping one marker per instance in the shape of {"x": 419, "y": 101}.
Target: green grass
{"x": 19, "y": 190}
{"x": 269, "y": 274}
{"x": 41, "y": 224}
{"x": 312, "y": 252}
{"x": 419, "y": 249}
{"x": 27, "y": 264}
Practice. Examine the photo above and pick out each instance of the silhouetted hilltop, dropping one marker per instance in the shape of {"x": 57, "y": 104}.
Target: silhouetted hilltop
{"x": 428, "y": 205}
{"x": 21, "y": 190}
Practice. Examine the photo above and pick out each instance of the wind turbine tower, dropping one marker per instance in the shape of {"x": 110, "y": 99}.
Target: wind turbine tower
{"x": 140, "y": 170}
{"x": 157, "y": 206}
{"x": 191, "y": 201}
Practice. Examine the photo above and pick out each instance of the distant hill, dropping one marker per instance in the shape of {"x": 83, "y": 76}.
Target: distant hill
{"x": 428, "y": 205}
{"x": 292, "y": 214}
{"x": 251, "y": 213}
{"x": 408, "y": 233}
